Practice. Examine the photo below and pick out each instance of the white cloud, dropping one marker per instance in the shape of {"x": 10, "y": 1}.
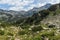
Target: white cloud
{"x": 54, "y": 1}
{"x": 19, "y": 4}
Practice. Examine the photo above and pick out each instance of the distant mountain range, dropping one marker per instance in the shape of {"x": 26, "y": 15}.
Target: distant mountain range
{"x": 16, "y": 15}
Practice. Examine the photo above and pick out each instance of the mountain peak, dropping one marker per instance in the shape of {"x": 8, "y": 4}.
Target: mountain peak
{"x": 47, "y": 5}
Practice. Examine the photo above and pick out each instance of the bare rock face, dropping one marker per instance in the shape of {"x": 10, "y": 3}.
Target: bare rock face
{"x": 52, "y": 20}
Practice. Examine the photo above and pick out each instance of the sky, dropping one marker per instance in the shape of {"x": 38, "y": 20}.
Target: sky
{"x": 25, "y": 5}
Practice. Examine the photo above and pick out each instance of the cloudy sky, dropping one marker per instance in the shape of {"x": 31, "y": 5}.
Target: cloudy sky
{"x": 19, "y": 5}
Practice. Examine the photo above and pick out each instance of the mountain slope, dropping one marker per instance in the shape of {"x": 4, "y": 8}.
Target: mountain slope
{"x": 43, "y": 14}
{"x": 13, "y": 16}
{"x": 42, "y": 25}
